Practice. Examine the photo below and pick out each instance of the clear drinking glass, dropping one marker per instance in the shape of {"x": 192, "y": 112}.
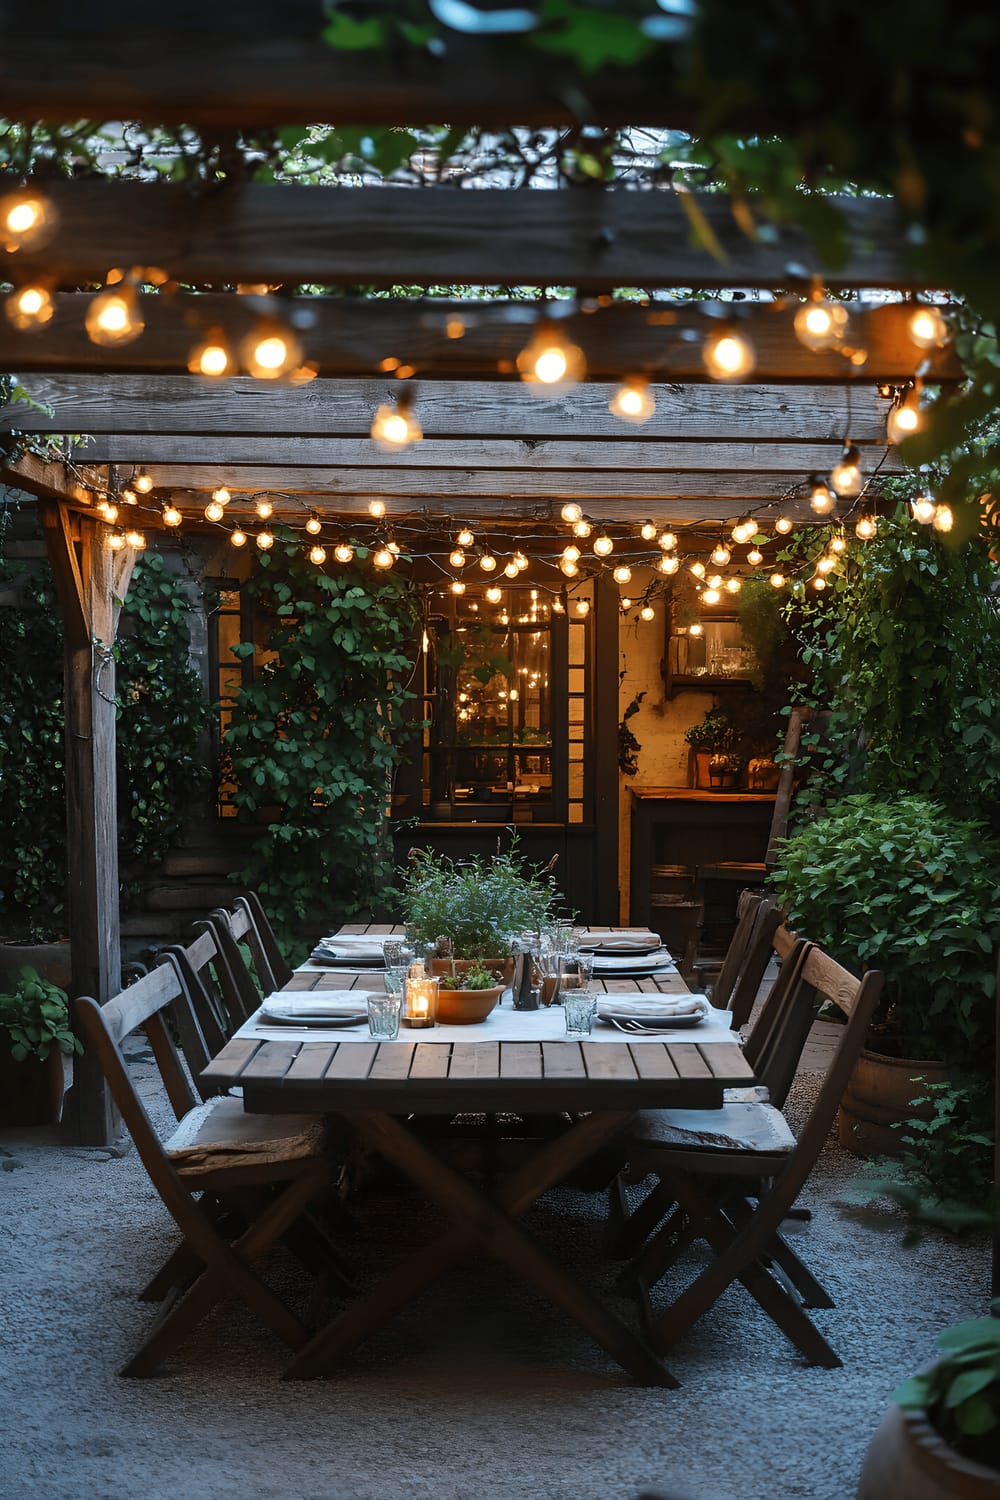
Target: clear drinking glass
{"x": 383, "y": 1016}
{"x": 397, "y": 952}
{"x": 395, "y": 978}
{"x": 578, "y": 1009}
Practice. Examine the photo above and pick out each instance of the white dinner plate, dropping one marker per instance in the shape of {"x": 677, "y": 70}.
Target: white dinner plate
{"x": 315, "y": 1010}
{"x": 619, "y": 963}
{"x": 650, "y": 1013}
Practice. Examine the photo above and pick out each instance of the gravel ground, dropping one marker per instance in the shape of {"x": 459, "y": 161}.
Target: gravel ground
{"x": 479, "y": 1390}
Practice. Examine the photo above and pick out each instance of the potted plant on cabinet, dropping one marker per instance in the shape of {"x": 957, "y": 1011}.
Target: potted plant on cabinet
{"x": 941, "y": 1440}
{"x": 34, "y": 1018}
{"x": 713, "y": 740}
{"x": 902, "y": 886}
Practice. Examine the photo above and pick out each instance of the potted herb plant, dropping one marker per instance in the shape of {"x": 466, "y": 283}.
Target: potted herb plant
{"x": 468, "y": 997}
{"x": 34, "y": 1017}
{"x": 941, "y": 1440}
{"x": 471, "y": 911}
{"x": 713, "y": 740}
{"x": 903, "y": 886}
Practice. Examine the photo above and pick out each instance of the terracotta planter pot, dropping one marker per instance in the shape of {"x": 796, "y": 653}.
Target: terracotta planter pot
{"x": 908, "y": 1459}
{"x": 31, "y": 1091}
{"x": 466, "y": 1007}
{"x": 878, "y": 1094}
{"x": 499, "y": 966}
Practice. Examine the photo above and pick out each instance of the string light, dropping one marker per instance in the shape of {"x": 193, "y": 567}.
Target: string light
{"x": 520, "y": 561}
{"x": 777, "y": 580}
{"x": 633, "y": 400}
{"x": 582, "y": 528}
{"x": 171, "y": 516}
{"x": 30, "y": 306}
{"x": 214, "y": 511}
{"x": 116, "y": 541}
{"x": 826, "y": 564}
{"x": 865, "y": 528}
{"x": 728, "y": 356}
{"x": 647, "y": 612}
{"x": 603, "y": 545}
{"x": 623, "y": 573}
{"x": 221, "y": 495}
{"x": 583, "y": 606}
{"x": 927, "y": 328}
{"x": 317, "y": 555}
{"x": 845, "y": 476}
{"x": 944, "y": 518}
{"x": 571, "y": 512}
{"x": 395, "y": 427}
{"x": 568, "y": 566}
{"x": 696, "y": 629}
{"x": 668, "y": 565}
{"x": 376, "y": 508}
{"x": 264, "y": 508}
{"x": 647, "y": 531}
{"x": 494, "y": 595}
{"x": 624, "y": 604}
{"x": 457, "y": 586}
{"x": 212, "y": 357}
{"x": 711, "y": 596}
{"x": 571, "y": 552}
{"x": 838, "y": 544}
{"x": 511, "y": 569}
{"x": 821, "y": 497}
{"x": 344, "y": 552}
{"x": 383, "y": 558}
{"x": 393, "y": 548}
{"x": 488, "y": 562}
{"x": 113, "y": 317}
{"x": 667, "y": 541}
{"x": 783, "y": 525}
{"x": 698, "y": 569}
{"x": 314, "y": 525}
{"x": 107, "y": 510}
{"x": 271, "y": 350}
{"x": 465, "y": 537}
{"x": 550, "y": 359}
{"x": 142, "y": 482}
{"x": 820, "y": 323}
{"x": 129, "y": 496}
{"x": 733, "y": 585}
{"x": 457, "y": 558}
{"x": 237, "y": 538}
{"x": 924, "y": 508}
{"x": 264, "y": 540}
{"x": 755, "y": 557}
{"x": 27, "y": 219}
{"x": 721, "y": 555}
{"x": 905, "y": 417}
{"x": 743, "y": 531}
{"x": 819, "y": 583}
{"x": 136, "y": 540}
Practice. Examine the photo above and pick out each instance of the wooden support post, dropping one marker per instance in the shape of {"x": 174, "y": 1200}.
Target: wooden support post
{"x": 89, "y": 579}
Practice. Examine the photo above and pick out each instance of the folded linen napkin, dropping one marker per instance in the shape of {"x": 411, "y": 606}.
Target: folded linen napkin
{"x": 348, "y": 1003}
{"x": 355, "y": 940}
{"x": 620, "y": 942}
{"x": 621, "y": 963}
{"x": 350, "y": 953}
{"x": 653, "y": 1007}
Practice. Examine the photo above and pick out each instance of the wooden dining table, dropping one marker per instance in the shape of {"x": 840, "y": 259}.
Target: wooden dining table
{"x": 381, "y": 1089}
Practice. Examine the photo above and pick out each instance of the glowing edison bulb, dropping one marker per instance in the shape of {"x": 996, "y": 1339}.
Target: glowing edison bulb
{"x": 550, "y": 359}
{"x": 568, "y": 566}
{"x": 237, "y": 538}
{"x": 711, "y": 596}
{"x": 721, "y": 555}
{"x": 116, "y": 541}
{"x": 633, "y": 400}
{"x": 698, "y": 569}
{"x": 30, "y": 306}
{"x": 755, "y": 557}
{"x": 865, "y": 528}
{"x": 457, "y": 558}
{"x": 733, "y": 585}
{"x": 129, "y": 496}
{"x": 667, "y": 540}
{"x": 383, "y": 558}
{"x": 624, "y": 604}
{"x": 647, "y": 612}
{"x": 819, "y": 323}
{"x": 465, "y": 537}
{"x": 457, "y": 586}
{"x": 135, "y": 540}
{"x": 488, "y": 562}
{"x": 108, "y": 511}
{"x": 317, "y": 555}
{"x": 395, "y": 427}
{"x": 821, "y": 497}
{"x": 211, "y": 357}
{"x": 393, "y": 548}
{"x": 314, "y": 525}
{"x": 113, "y": 317}
{"x": 571, "y": 553}
{"x": 743, "y": 531}
{"x": 845, "y": 476}
{"x": 264, "y": 508}
{"x": 777, "y": 580}
{"x": 825, "y": 564}
{"x": 944, "y": 518}
{"x": 583, "y": 606}
{"x": 904, "y": 419}
{"x": 520, "y": 561}
{"x": 647, "y": 531}
{"x": 622, "y": 573}
{"x": 27, "y": 219}
{"x": 603, "y": 545}
{"x": 728, "y": 356}
{"x": 271, "y": 351}
{"x": 171, "y": 516}
{"x": 715, "y": 581}
{"x": 376, "y": 508}
{"x": 571, "y": 512}
{"x": 783, "y": 525}
{"x": 819, "y": 583}
{"x": 582, "y": 527}
{"x": 923, "y": 509}
{"x": 494, "y": 595}
{"x": 142, "y": 482}
{"x": 668, "y": 565}
{"x": 838, "y": 544}
{"x": 214, "y": 511}
{"x": 927, "y": 328}
{"x": 344, "y": 552}
{"x": 221, "y": 496}
{"x": 511, "y": 569}
{"x": 264, "y": 540}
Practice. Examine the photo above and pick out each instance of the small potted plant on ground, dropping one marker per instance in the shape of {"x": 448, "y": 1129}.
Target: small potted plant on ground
{"x": 713, "y": 740}
{"x": 941, "y": 1440}
{"x": 34, "y": 1018}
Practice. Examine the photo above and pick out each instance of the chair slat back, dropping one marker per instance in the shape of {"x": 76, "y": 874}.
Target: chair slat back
{"x": 277, "y": 964}
{"x": 758, "y": 954}
{"x": 747, "y": 908}
{"x": 216, "y": 1008}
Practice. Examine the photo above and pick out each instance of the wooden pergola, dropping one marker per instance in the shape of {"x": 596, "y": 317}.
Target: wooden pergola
{"x": 493, "y": 452}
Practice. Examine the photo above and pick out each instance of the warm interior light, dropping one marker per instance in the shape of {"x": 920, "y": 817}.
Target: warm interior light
{"x": 30, "y": 306}
{"x": 238, "y": 538}
{"x": 264, "y": 540}
{"x": 171, "y": 516}
{"x": 633, "y": 400}
{"x": 27, "y": 219}
{"x": 550, "y": 359}
{"x": 728, "y": 356}
{"x": 820, "y": 323}
{"x": 603, "y": 545}
{"x": 113, "y": 317}
{"x": 317, "y": 555}
{"x": 314, "y": 525}
{"x": 927, "y": 328}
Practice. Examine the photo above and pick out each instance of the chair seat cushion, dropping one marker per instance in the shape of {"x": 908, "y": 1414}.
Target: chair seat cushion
{"x": 219, "y": 1133}
{"x": 734, "y": 1127}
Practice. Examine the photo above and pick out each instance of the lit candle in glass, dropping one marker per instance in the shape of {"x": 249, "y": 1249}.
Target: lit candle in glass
{"x": 420, "y": 1003}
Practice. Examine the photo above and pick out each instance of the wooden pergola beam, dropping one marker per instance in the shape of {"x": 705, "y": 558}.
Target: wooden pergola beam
{"x": 621, "y": 454}
{"x": 52, "y": 480}
{"x": 382, "y": 237}
{"x": 447, "y": 409}
{"x": 351, "y": 337}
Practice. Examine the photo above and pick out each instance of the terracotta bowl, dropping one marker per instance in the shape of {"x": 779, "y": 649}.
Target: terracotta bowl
{"x": 466, "y": 1007}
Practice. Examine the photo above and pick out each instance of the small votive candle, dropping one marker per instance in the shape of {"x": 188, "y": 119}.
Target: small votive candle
{"x": 420, "y": 1001}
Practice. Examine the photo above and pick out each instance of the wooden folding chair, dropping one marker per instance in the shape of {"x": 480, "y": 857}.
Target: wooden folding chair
{"x": 221, "y": 1171}
{"x": 248, "y": 927}
{"x": 735, "y": 1194}
{"x": 272, "y": 956}
{"x": 221, "y": 995}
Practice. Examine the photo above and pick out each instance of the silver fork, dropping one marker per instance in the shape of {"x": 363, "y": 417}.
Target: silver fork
{"x": 635, "y": 1028}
